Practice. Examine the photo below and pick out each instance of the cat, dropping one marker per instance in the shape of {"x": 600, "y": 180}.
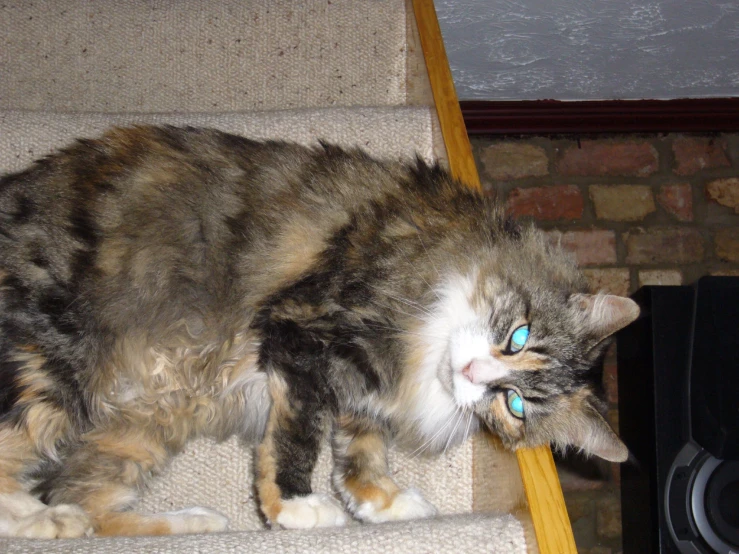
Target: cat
{"x": 161, "y": 283}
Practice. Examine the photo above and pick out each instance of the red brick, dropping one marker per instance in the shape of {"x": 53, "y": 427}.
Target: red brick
{"x": 514, "y": 160}
{"x": 612, "y": 281}
{"x": 727, "y": 244}
{"x": 611, "y": 353}
{"x": 694, "y": 154}
{"x": 592, "y": 247}
{"x": 725, "y": 192}
{"x": 678, "y": 246}
{"x": 572, "y": 481}
{"x": 599, "y": 550}
{"x": 622, "y": 202}
{"x": 677, "y": 200}
{"x": 592, "y": 157}
{"x": 610, "y": 376}
{"x": 610, "y": 381}
{"x": 615, "y": 475}
{"x": 580, "y": 504}
{"x": 489, "y": 189}
{"x": 612, "y": 418}
{"x": 608, "y": 516}
{"x": 660, "y": 277}
{"x": 546, "y": 203}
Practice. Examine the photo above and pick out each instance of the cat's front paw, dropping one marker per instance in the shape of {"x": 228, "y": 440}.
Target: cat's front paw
{"x": 307, "y": 512}
{"x": 196, "y": 520}
{"x": 407, "y": 504}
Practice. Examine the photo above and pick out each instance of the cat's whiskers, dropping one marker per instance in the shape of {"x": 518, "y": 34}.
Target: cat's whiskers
{"x": 469, "y": 426}
{"x": 408, "y": 302}
{"x": 427, "y": 254}
{"x": 406, "y": 332}
{"x": 427, "y": 313}
{"x": 449, "y": 440}
{"x": 418, "y": 451}
{"x": 426, "y": 317}
{"x": 394, "y": 309}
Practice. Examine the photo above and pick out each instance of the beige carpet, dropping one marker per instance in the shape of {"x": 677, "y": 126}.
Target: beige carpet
{"x": 474, "y": 534}
{"x": 194, "y": 56}
{"x": 385, "y": 132}
{"x": 220, "y": 476}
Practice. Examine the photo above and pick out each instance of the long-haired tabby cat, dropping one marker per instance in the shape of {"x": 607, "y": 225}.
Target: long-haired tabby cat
{"x": 159, "y": 284}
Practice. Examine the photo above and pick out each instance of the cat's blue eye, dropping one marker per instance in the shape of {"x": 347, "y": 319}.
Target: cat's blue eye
{"x": 515, "y": 404}
{"x": 519, "y": 338}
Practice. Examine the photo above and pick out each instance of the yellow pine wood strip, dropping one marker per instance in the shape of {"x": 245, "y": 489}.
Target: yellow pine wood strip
{"x": 546, "y": 503}
{"x": 459, "y": 150}
{"x": 539, "y": 475}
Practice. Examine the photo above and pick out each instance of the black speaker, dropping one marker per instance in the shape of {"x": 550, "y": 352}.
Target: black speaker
{"x": 678, "y": 383}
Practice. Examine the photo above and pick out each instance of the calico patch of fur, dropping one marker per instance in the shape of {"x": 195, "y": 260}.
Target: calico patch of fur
{"x": 159, "y": 284}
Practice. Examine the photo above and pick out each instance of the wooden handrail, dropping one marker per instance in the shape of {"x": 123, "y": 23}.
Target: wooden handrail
{"x": 541, "y": 483}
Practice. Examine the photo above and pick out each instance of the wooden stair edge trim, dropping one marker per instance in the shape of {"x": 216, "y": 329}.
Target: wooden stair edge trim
{"x": 541, "y": 483}
{"x": 453, "y": 130}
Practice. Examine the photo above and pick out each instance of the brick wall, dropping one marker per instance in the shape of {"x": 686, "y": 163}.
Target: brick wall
{"x": 635, "y": 210}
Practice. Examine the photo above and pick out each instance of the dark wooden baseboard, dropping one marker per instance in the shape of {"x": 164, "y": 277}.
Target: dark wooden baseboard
{"x": 610, "y": 116}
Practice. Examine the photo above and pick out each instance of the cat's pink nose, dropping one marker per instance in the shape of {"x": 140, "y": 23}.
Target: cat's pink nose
{"x": 469, "y": 371}
{"x": 480, "y": 371}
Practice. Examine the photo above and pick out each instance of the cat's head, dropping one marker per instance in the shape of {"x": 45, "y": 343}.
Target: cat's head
{"x": 523, "y": 342}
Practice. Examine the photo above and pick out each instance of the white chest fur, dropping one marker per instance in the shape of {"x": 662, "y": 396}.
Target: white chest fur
{"x": 439, "y": 407}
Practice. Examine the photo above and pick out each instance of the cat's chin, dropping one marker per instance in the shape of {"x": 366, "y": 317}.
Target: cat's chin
{"x": 466, "y": 394}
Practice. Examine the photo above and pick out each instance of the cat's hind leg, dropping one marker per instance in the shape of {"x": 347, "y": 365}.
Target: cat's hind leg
{"x": 29, "y": 432}
{"x": 104, "y": 475}
{"x": 361, "y": 475}
{"x": 22, "y": 515}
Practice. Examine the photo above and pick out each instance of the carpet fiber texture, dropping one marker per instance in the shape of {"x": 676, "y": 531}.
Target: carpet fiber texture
{"x": 193, "y": 56}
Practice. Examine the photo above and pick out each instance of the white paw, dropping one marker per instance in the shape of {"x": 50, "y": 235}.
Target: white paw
{"x": 408, "y": 504}
{"x": 19, "y": 504}
{"x": 65, "y": 521}
{"x": 314, "y": 510}
{"x": 196, "y": 520}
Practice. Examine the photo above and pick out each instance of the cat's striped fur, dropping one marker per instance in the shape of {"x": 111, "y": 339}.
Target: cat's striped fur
{"x": 159, "y": 284}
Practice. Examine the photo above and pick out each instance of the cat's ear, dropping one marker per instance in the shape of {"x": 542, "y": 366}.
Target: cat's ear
{"x": 604, "y": 314}
{"x": 596, "y": 437}
{"x": 574, "y": 420}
